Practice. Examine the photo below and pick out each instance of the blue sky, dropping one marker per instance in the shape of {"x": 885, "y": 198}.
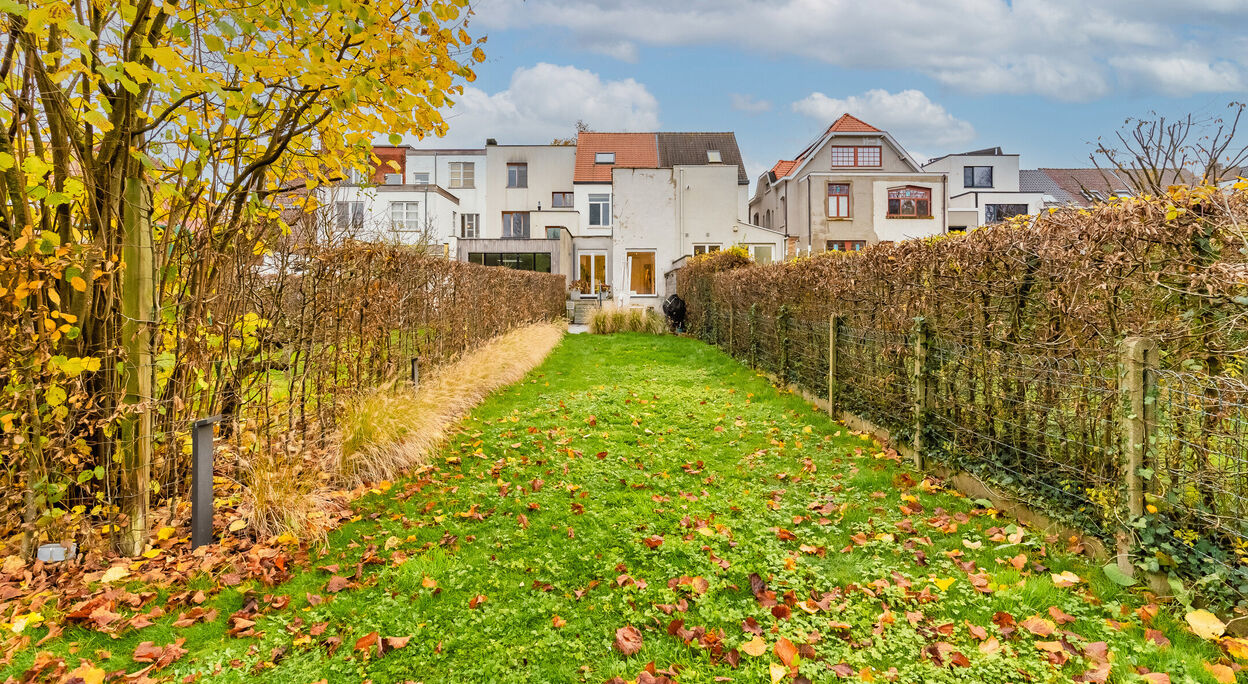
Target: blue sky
{"x": 1041, "y": 78}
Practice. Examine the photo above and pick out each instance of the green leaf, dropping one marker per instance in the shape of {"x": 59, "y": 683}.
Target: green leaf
{"x": 396, "y": 139}
{"x": 1117, "y": 576}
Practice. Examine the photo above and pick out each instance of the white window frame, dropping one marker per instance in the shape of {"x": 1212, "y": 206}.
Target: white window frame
{"x": 842, "y": 212}
{"x": 771, "y": 257}
{"x": 349, "y": 215}
{"x": 654, "y": 278}
{"x": 714, "y": 157}
{"x": 604, "y": 157}
{"x": 404, "y": 216}
{"x": 706, "y": 247}
{"x": 514, "y": 172}
{"x": 604, "y": 210}
{"x": 470, "y": 220}
{"x": 509, "y": 234}
{"x": 420, "y": 177}
{"x": 463, "y": 174}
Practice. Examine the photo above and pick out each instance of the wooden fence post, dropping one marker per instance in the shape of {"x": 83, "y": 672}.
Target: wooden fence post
{"x": 782, "y": 339}
{"x": 731, "y": 346}
{"x": 137, "y": 301}
{"x": 834, "y": 385}
{"x": 923, "y": 395}
{"x": 1137, "y": 380}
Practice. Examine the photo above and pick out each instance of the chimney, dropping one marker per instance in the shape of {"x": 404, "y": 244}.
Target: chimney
{"x": 490, "y": 141}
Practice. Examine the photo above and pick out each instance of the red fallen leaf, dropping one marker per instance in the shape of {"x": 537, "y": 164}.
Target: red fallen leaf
{"x": 976, "y": 631}
{"x": 653, "y": 542}
{"x": 477, "y": 600}
{"x": 1097, "y": 652}
{"x": 1097, "y": 675}
{"x": 161, "y": 656}
{"x": 1156, "y": 636}
{"x": 700, "y": 585}
{"x": 366, "y": 642}
{"x": 332, "y": 644}
{"x": 781, "y": 612}
{"x": 1060, "y": 617}
{"x": 733, "y": 658}
{"x": 628, "y": 640}
{"x": 337, "y": 584}
{"x": 843, "y": 670}
{"x": 1156, "y": 677}
{"x": 957, "y": 659}
{"x": 751, "y": 626}
{"x": 318, "y": 629}
{"x": 523, "y": 520}
{"x": 785, "y": 651}
{"x": 1003, "y": 619}
{"x": 147, "y": 652}
{"x": 558, "y": 621}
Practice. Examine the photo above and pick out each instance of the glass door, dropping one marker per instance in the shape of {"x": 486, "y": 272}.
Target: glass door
{"x": 593, "y": 270}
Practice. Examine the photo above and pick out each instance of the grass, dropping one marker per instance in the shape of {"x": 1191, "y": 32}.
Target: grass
{"x": 543, "y": 500}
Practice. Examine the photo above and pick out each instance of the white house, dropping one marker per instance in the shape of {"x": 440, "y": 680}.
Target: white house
{"x": 984, "y": 188}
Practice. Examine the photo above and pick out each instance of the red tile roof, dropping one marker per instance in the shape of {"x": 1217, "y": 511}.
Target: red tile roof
{"x": 632, "y": 150}
{"x": 783, "y": 167}
{"x": 851, "y": 124}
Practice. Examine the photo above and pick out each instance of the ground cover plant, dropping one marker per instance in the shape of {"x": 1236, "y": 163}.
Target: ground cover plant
{"x": 644, "y": 508}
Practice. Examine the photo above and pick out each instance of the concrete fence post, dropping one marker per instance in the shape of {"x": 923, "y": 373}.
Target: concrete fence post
{"x": 782, "y": 339}
{"x": 923, "y": 394}
{"x": 732, "y": 348}
{"x": 754, "y": 335}
{"x": 1137, "y": 381}
{"x": 834, "y": 384}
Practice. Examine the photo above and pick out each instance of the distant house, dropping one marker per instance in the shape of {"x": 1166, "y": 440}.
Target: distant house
{"x": 654, "y": 199}
{"x": 852, "y": 186}
{"x": 984, "y": 187}
{"x": 1082, "y": 187}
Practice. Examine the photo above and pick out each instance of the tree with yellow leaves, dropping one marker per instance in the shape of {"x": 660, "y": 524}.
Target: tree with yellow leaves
{"x": 130, "y": 125}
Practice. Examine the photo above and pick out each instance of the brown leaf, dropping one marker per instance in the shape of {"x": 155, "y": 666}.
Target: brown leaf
{"x": 396, "y": 642}
{"x": 1038, "y": 626}
{"x": 628, "y": 640}
{"x": 476, "y": 601}
{"x": 337, "y": 584}
{"x": 1059, "y": 617}
{"x": 785, "y": 651}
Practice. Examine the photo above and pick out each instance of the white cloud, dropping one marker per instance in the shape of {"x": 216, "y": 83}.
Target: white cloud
{"x": 1064, "y": 49}
{"x": 1180, "y": 76}
{"x": 623, "y": 50}
{"x": 909, "y": 115}
{"x": 749, "y": 104}
{"x": 544, "y": 102}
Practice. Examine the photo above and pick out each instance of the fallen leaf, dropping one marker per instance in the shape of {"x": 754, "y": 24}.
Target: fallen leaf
{"x": 366, "y": 642}
{"x": 755, "y": 647}
{"x": 785, "y": 651}
{"x": 628, "y": 640}
{"x": 1221, "y": 673}
{"x": 114, "y": 574}
{"x": 1066, "y": 579}
{"x": 1205, "y": 625}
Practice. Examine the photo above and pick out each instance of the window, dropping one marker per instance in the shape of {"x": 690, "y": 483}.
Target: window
{"x": 420, "y": 178}
{"x": 470, "y": 226}
{"x": 704, "y": 249}
{"x": 405, "y": 216}
{"x": 604, "y": 158}
{"x": 517, "y": 175}
{"x": 761, "y": 254}
{"x": 592, "y": 268}
{"x": 600, "y": 210}
{"x": 640, "y": 272}
{"x": 521, "y": 261}
{"x": 856, "y": 156}
{"x": 561, "y": 200}
{"x": 354, "y": 176}
{"x": 957, "y": 229}
{"x": 714, "y": 157}
{"x": 756, "y": 219}
{"x": 846, "y": 245}
{"x": 463, "y": 174}
{"x": 1000, "y": 212}
{"x": 552, "y": 232}
{"x": 516, "y": 224}
{"x": 909, "y": 202}
{"x": 838, "y": 200}
{"x": 977, "y": 176}
{"x": 350, "y": 215}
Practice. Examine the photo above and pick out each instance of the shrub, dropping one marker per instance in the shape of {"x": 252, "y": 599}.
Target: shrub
{"x": 612, "y": 319}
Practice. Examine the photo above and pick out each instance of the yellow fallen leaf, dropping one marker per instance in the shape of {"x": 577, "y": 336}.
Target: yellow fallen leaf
{"x": 1205, "y": 625}
{"x": 1238, "y": 648}
{"x": 238, "y": 525}
{"x": 1221, "y": 673}
{"x": 943, "y": 584}
{"x": 87, "y": 674}
{"x": 165, "y": 533}
{"x": 778, "y": 672}
{"x": 115, "y": 573}
{"x": 755, "y": 647}
{"x": 1066, "y": 579}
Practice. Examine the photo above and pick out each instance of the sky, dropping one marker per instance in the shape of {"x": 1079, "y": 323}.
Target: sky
{"x": 1040, "y": 78}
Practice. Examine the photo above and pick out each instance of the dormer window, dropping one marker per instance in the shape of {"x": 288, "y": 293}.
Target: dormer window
{"x": 713, "y": 157}
{"x": 604, "y": 157}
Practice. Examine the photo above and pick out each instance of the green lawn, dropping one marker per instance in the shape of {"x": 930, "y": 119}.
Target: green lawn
{"x": 635, "y": 480}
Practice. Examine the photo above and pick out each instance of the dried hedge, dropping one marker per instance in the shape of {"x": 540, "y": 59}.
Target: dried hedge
{"x": 1026, "y": 320}
{"x": 276, "y": 343}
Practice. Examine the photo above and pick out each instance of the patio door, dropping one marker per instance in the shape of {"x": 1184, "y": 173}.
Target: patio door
{"x": 592, "y": 268}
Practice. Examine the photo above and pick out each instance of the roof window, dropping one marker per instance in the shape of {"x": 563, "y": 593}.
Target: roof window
{"x": 604, "y": 157}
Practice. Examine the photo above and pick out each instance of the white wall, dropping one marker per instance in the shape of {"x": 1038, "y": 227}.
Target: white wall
{"x": 549, "y": 170}
{"x": 582, "y": 193}
{"x": 1004, "y": 171}
{"x": 438, "y": 165}
{"x": 644, "y": 219}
